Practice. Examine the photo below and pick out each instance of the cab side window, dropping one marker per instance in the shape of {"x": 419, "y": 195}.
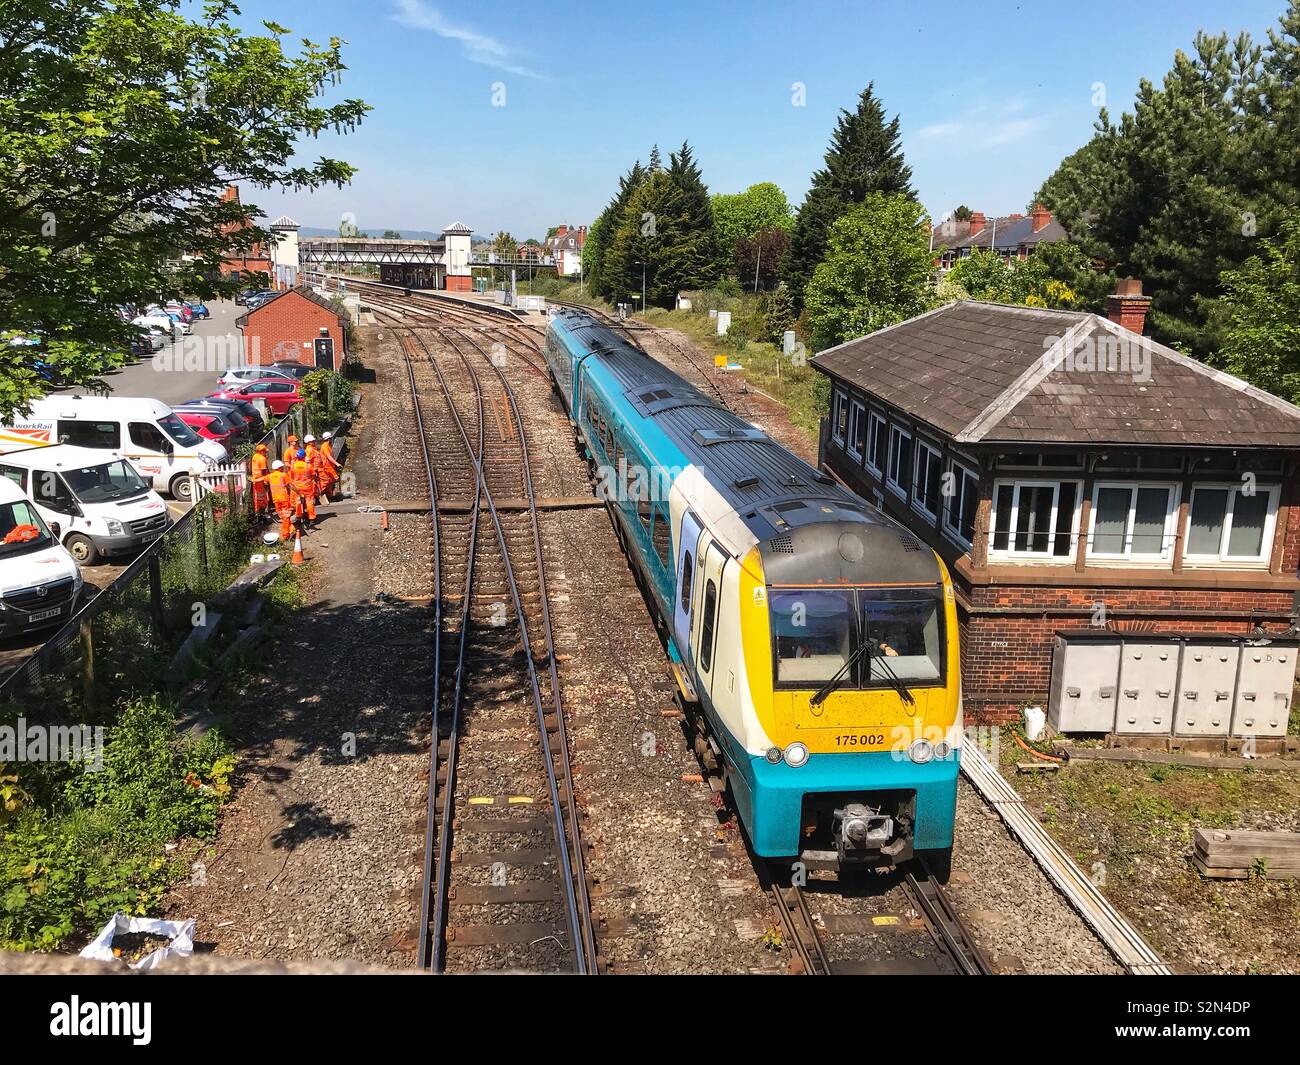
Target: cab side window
{"x": 148, "y": 437}
{"x": 15, "y": 474}
{"x": 84, "y": 433}
{"x": 49, "y": 490}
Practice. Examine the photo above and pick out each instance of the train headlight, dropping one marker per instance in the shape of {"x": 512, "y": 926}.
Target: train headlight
{"x": 943, "y": 750}
{"x": 921, "y": 751}
{"x": 795, "y": 755}
{"x": 773, "y": 754}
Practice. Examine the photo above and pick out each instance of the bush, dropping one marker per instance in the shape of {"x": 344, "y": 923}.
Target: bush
{"x": 327, "y": 396}
{"x": 100, "y": 847}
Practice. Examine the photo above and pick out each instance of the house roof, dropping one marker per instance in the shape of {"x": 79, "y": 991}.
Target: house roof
{"x": 991, "y": 373}
{"x": 285, "y": 222}
{"x": 305, "y": 291}
{"x": 1010, "y": 232}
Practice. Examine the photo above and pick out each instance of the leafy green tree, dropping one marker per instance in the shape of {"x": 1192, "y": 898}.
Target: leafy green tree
{"x": 876, "y": 271}
{"x": 1179, "y": 191}
{"x": 962, "y": 213}
{"x": 121, "y": 123}
{"x": 1260, "y": 315}
{"x": 656, "y": 246}
{"x": 1031, "y": 282}
{"x": 738, "y": 216}
{"x": 865, "y": 156}
{"x": 392, "y": 234}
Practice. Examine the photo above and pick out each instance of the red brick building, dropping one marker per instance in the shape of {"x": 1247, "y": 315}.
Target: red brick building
{"x": 1072, "y": 474}
{"x": 253, "y": 260}
{"x": 297, "y": 325}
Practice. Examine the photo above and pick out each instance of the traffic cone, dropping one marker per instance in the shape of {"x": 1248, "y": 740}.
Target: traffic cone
{"x": 297, "y": 559}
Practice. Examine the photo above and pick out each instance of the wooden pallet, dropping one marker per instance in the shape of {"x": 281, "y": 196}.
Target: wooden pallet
{"x": 1231, "y": 854}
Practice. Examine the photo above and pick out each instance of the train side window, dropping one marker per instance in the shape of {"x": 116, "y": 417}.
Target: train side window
{"x": 706, "y": 634}
{"x": 662, "y": 536}
{"x": 688, "y": 572}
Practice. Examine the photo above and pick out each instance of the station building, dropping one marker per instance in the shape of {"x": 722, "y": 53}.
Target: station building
{"x": 1072, "y": 474}
{"x": 296, "y": 325}
{"x": 430, "y": 264}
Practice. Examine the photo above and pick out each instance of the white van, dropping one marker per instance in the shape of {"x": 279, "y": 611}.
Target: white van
{"x": 40, "y": 584}
{"x": 97, "y": 500}
{"x": 162, "y": 447}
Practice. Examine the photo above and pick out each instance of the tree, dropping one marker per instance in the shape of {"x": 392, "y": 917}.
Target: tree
{"x": 121, "y": 123}
{"x": 757, "y": 259}
{"x": 657, "y": 246}
{"x": 739, "y": 216}
{"x": 392, "y": 234}
{"x": 1179, "y": 191}
{"x": 697, "y": 207}
{"x": 961, "y": 214}
{"x": 876, "y": 271}
{"x": 864, "y": 156}
{"x": 504, "y": 246}
{"x": 601, "y": 231}
{"x": 984, "y": 275}
{"x": 1260, "y": 315}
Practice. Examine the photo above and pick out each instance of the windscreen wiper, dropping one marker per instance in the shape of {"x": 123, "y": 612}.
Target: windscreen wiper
{"x": 895, "y": 681}
{"x": 840, "y": 675}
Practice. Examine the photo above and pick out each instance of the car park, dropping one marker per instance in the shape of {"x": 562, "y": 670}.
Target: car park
{"x": 247, "y": 409}
{"x": 161, "y": 324}
{"x": 97, "y": 500}
{"x": 296, "y": 370}
{"x": 210, "y": 424}
{"x": 198, "y": 308}
{"x": 180, "y": 310}
{"x": 279, "y": 396}
{"x": 40, "y": 583}
{"x": 241, "y": 423}
{"x": 146, "y": 431}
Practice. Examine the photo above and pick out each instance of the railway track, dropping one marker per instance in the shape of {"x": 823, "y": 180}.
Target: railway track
{"x": 504, "y": 880}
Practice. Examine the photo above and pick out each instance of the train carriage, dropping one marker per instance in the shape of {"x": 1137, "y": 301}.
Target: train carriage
{"x": 818, "y": 635}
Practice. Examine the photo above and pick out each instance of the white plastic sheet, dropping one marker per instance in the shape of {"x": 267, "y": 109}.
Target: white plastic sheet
{"x": 181, "y": 934}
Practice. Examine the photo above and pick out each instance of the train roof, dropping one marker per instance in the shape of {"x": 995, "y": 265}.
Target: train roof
{"x": 770, "y": 491}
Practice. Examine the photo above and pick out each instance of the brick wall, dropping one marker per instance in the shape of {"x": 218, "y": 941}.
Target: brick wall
{"x": 460, "y": 283}
{"x": 285, "y": 329}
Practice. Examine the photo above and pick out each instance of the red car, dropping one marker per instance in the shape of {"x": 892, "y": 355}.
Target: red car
{"x": 209, "y": 426}
{"x": 278, "y": 394}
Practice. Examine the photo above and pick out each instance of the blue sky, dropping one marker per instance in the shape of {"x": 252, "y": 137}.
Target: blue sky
{"x": 991, "y": 95}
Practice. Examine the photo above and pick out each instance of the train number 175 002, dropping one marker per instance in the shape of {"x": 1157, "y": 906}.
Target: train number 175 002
{"x": 859, "y": 739}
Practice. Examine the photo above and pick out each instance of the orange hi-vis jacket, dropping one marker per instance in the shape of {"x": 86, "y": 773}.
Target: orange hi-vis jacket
{"x": 301, "y": 477}
{"x": 279, "y": 482}
{"x": 260, "y": 466}
{"x": 313, "y": 459}
{"x": 290, "y": 453}
{"x": 327, "y": 453}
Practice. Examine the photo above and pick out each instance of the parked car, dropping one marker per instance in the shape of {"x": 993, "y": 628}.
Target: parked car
{"x": 249, "y": 412}
{"x": 198, "y": 308}
{"x": 141, "y": 346}
{"x": 296, "y": 370}
{"x": 210, "y": 424}
{"x": 256, "y": 295}
{"x": 241, "y": 375}
{"x": 279, "y": 396}
{"x": 177, "y": 308}
{"x": 159, "y": 323}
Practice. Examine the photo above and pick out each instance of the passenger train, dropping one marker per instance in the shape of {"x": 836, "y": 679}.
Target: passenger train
{"x": 818, "y": 635}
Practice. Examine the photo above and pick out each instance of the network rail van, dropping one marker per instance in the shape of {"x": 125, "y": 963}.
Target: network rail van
{"x": 96, "y": 499}
{"x": 163, "y": 448}
{"x": 40, "y": 583}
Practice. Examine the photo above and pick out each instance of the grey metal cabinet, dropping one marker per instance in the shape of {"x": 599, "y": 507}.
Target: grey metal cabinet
{"x": 1264, "y": 686}
{"x": 1085, "y": 672}
{"x": 1148, "y": 678}
{"x": 1206, "y": 685}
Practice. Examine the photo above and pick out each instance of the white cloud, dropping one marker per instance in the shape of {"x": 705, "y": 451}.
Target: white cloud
{"x": 474, "y": 46}
{"x": 970, "y": 133}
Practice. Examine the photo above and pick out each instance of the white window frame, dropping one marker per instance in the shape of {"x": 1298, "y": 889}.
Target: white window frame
{"x": 918, "y": 499}
{"x": 857, "y": 412}
{"x": 876, "y": 422}
{"x": 839, "y": 398}
{"x": 1017, "y": 483}
{"x": 1127, "y": 554}
{"x": 1270, "y": 524}
{"x": 952, "y": 503}
{"x": 896, "y": 487}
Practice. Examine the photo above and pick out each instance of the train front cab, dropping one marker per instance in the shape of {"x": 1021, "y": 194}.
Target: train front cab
{"x": 834, "y": 694}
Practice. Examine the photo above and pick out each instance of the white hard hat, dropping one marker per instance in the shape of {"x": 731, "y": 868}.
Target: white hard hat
{"x": 269, "y": 538}
{"x": 308, "y": 438}
{"x": 277, "y": 465}
{"x": 327, "y": 436}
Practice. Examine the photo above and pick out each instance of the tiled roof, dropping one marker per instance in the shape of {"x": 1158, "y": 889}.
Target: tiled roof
{"x": 1010, "y": 232}
{"x": 986, "y": 373}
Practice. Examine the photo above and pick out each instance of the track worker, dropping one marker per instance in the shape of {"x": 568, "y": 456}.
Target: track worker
{"x": 291, "y": 450}
{"x": 329, "y": 467}
{"x": 304, "y": 487}
{"x": 277, "y": 483}
{"x": 313, "y": 461}
{"x": 259, "y": 471}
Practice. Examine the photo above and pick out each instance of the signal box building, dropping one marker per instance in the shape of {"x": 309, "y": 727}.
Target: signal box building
{"x": 1072, "y": 474}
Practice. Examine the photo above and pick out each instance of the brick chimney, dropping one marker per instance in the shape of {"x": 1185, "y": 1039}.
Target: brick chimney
{"x": 1128, "y": 307}
{"x": 561, "y": 230}
{"x": 977, "y": 221}
{"x": 1041, "y": 216}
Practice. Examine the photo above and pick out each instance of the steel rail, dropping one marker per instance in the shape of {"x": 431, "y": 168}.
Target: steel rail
{"x": 485, "y": 494}
{"x": 437, "y": 934}
{"x": 575, "y": 834}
